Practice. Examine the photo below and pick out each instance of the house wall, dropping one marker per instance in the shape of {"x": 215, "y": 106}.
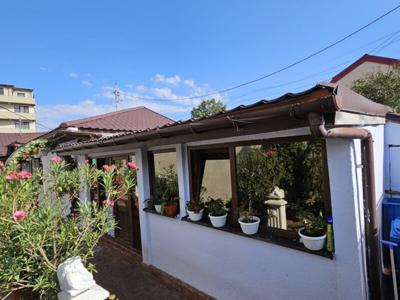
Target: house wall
{"x": 361, "y": 71}
{"x": 229, "y": 266}
{"x": 392, "y": 159}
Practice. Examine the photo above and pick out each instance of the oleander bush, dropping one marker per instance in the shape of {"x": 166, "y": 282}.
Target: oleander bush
{"x": 39, "y": 228}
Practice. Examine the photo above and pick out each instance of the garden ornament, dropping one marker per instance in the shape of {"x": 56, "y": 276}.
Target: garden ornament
{"x": 276, "y": 209}
{"x": 77, "y": 283}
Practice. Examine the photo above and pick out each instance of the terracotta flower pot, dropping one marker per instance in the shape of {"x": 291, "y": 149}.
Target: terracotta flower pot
{"x": 171, "y": 210}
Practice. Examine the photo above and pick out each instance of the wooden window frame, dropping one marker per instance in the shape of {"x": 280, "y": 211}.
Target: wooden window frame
{"x": 234, "y": 213}
{"x": 150, "y": 161}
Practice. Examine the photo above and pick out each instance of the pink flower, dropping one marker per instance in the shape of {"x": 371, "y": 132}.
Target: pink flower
{"x": 19, "y": 215}
{"x": 132, "y": 165}
{"x": 108, "y": 202}
{"x": 106, "y": 168}
{"x": 12, "y": 175}
{"x": 86, "y": 161}
{"x": 56, "y": 159}
{"x": 1, "y": 164}
{"x": 24, "y": 175}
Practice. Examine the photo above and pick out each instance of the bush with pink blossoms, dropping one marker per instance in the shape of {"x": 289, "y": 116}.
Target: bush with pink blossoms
{"x": 35, "y": 234}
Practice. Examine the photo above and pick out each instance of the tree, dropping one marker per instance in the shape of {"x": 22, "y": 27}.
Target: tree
{"x": 207, "y": 108}
{"x": 383, "y": 87}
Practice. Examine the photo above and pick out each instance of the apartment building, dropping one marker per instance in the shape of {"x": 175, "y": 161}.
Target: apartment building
{"x": 17, "y": 109}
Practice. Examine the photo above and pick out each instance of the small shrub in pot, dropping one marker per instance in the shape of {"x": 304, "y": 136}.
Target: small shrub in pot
{"x": 217, "y": 212}
{"x": 195, "y": 209}
{"x": 313, "y": 234}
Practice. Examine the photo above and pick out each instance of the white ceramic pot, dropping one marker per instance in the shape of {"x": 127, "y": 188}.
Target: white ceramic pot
{"x": 250, "y": 228}
{"x": 312, "y": 243}
{"x": 194, "y": 216}
{"x": 158, "y": 208}
{"x": 218, "y": 221}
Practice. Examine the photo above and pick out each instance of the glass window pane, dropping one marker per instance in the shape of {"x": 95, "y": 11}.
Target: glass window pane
{"x": 165, "y": 175}
{"x": 284, "y": 182}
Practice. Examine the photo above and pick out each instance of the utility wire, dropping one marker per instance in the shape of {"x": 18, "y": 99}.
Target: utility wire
{"x": 22, "y": 116}
{"x": 283, "y": 68}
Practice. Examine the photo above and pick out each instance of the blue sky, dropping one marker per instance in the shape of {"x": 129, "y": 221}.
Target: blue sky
{"x": 73, "y": 52}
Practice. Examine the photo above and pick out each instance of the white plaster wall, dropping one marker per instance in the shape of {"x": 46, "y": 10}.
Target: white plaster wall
{"x": 228, "y": 266}
{"x": 392, "y": 136}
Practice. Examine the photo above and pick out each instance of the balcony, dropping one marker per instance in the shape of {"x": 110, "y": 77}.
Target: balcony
{"x": 8, "y": 115}
{"x": 17, "y": 100}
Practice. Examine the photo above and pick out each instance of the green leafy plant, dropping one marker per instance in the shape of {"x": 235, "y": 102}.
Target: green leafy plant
{"x": 207, "y": 108}
{"x": 314, "y": 225}
{"x": 195, "y": 205}
{"x": 382, "y": 87}
{"x": 216, "y": 207}
{"x": 26, "y": 151}
{"x": 36, "y": 233}
{"x": 152, "y": 201}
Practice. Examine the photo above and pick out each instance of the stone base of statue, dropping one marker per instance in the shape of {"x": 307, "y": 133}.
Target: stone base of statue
{"x": 96, "y": 292}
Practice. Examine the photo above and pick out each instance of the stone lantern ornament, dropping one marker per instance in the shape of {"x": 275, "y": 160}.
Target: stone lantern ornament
{"x": 77, "y": 283}
{"x": 276, "y": 209}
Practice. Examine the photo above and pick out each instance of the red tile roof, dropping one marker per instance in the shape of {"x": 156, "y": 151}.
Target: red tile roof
{"x": 131, "y": 119}
{"x": 370, "y": 58}
{"x": 7, "y": 139}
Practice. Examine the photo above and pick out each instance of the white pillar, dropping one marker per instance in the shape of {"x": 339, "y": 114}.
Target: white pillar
{"x": 143, "y": 186}
{"x": 347, "y": 211}
{"x": 182, "y": 169}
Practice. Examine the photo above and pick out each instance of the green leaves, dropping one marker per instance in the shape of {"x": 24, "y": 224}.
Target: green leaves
{"x": 32, "y": 248}
{"x": 207, "y": 108}
{"x": 383, "y": 87}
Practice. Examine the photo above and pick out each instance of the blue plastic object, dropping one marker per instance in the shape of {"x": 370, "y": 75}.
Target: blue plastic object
{"x": 395, "y": 237}
{"x": 391, "y": 211}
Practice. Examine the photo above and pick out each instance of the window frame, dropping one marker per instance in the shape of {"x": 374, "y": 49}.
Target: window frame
{"x": 21, "y": 125}
{"x": 21, "y": 94}
{"x": 21, "y": 109}
{"x": 151, "y": 166}
{"x": 233, "y": 216}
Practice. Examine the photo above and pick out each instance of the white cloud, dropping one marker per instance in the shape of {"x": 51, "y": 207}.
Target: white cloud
{"x": 86, "y": 82}
{"x": 73, "y": 75}
{"x": 163, "y": 99}
{"x": 140, "y": 88}
{"x": 174, "y": 80}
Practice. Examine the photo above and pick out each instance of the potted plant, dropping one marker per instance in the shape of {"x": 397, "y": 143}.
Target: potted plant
{"x": 313, "y": 234}
{"x": 217, "y": 212}
{"x": 154, "y": 202}
{"x": 170, "y": 206}
{"x": 248, "y": 222}
{"x": 195, "y": 209}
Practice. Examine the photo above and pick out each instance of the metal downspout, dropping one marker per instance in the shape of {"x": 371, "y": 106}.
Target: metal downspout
{"x": 318, "y": 129}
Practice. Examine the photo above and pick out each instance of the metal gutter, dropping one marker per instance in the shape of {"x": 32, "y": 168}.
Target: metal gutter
{"x": 318, "y": 129}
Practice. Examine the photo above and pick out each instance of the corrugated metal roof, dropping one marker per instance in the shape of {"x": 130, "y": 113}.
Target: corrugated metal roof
{"x": 131, "y": 119}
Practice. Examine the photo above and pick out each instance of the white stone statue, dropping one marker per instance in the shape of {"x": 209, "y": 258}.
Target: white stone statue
{"x": 76, "y": 282}
{"x": 276, "y": 209}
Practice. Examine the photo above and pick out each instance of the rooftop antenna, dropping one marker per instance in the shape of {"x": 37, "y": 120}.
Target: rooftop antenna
{"x": 116, "y": 93}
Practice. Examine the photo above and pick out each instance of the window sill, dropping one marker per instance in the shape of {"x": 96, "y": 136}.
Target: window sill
{"x": 153, "y": 211}
{"x": 264, "y": 237}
